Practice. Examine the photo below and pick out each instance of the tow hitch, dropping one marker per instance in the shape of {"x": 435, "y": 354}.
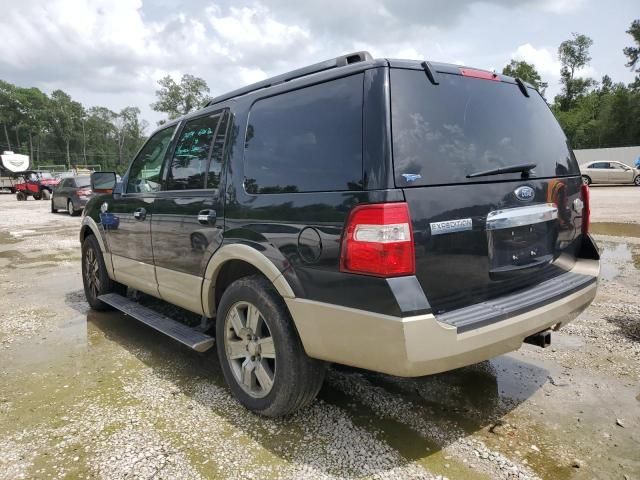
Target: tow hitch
{"x": 541, "y": 339}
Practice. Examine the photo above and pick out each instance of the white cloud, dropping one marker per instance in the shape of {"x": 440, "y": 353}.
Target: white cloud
{"x": 562, "y": 6}
{"x": 545, "y": 60}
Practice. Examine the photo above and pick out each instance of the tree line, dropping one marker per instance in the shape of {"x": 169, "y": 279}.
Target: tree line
{"x": 57, "y": 130}
{"x": 593, "y": 114}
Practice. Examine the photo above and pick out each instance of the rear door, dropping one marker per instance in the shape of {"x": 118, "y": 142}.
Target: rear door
{"x": 188, "y": 218}
{"x": 480, "y": 237}
{"x": 619, "y": 173}
{"x": 60, "y": 194}
{"x": 129, "y": 233}
{"x": 599, "y": 172}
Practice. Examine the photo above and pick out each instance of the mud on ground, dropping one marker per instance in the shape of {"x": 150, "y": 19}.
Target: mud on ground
{"x": 96, "y": 395}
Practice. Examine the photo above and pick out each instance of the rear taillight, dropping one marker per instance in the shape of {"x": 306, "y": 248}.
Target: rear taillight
{"x": 84, "y": 192}
{"x": 586, "y": 208}
{"x": 378, "y": 240}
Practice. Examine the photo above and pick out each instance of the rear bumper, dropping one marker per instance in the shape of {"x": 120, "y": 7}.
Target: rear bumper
{"x": 423, "y": 345}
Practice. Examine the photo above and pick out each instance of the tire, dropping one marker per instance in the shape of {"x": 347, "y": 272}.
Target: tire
{"x": 72, "y": 211}
{"x": 21, "y": 197}
{"x": 295, "y": 378}
{"x": 586, "y": 180}
{"x": 93, "y": 267}
{"x": 46, "y": 194}
{"x": 636, "y": 181}
{"x": 37, "y": 195}
{"x": 53, "y": 209}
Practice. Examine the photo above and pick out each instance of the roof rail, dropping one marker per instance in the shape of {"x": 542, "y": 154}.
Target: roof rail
{"x": 337, "y": 62}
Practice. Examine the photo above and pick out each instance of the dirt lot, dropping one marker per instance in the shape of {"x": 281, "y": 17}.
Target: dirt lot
{"x": 89, "y": 395}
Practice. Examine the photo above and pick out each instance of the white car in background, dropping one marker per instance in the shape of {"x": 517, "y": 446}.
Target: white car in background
{"x": 609, "y": 172}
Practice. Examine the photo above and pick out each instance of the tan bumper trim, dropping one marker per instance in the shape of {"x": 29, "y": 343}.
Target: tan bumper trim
{"x": 419, "y": 345}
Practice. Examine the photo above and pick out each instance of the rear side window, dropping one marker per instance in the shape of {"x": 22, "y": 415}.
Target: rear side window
{"x": 307, "y": 140}
{"x": 188, "y": 166}
{"x": 442, "y": 133}
{"x": 599, "y": 165}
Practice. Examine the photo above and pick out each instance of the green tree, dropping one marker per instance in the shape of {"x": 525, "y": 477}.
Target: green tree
{"x": 573, "y": 55}
{"x": 65, "y": 115}
{"x": 524, "y": 71}
{"x": 633, "y": 53}
{"x": 179, "y": 99}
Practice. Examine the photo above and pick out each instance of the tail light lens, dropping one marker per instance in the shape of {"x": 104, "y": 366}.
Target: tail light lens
{"x": 378, "y": 240}
{"x": 586, "y": 208}
{"x": 84, "y": 192}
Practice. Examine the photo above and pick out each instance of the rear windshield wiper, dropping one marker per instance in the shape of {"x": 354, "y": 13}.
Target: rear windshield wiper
{"x": 524, "y": 169}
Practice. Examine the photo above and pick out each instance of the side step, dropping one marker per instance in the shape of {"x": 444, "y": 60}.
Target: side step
{"x": 194, "y": 339}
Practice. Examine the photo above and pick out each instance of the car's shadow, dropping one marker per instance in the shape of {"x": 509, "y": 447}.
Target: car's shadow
{"x": 414, "y": 417}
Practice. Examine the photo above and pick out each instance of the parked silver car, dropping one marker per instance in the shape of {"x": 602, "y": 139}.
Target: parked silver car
{"x": 609, "y": 172}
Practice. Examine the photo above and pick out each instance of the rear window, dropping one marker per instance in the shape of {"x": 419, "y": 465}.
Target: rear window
{"x": 82, "y": 182}
{"x": 442, "y": 133}
{"x": 307, "y": 140}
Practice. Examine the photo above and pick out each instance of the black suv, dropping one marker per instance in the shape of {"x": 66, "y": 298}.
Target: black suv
{"x": 399, "y": 216}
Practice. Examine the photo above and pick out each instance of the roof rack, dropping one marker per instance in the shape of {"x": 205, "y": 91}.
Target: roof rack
{"x": 337, "y": 62}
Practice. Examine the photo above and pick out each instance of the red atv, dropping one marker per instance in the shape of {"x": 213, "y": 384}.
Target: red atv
{"x": 36, "y": 184}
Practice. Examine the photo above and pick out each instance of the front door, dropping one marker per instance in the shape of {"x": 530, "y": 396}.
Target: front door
{"x": 129, "y": 233}
{"x": 187, "y": 222}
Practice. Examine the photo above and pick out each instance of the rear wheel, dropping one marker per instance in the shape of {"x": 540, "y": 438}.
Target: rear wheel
{"x": 636, "y": 181}
{"x": 53, "y": 209}
{"x": 94, "y": 275}
{"x": 21, "y": 197}
{"x": 37, "y": 196}
{"x": 586, "y": 180}
{"x": 72, "y": 211}
{"x": 262, "y": 358}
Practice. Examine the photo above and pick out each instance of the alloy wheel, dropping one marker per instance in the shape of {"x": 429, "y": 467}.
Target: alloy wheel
{"x": 91, "y": 269}
{"x": 70, "y": 207}
{"x": 250, "y": 349}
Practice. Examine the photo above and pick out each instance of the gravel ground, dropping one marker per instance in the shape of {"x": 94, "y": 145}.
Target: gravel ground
{"x": 96, "y": 395}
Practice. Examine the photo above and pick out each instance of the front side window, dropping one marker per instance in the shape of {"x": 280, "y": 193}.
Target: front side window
{"x": 188, "y": 166}
{"x": 307, "y": 140}
{"x": 145, "y": 171}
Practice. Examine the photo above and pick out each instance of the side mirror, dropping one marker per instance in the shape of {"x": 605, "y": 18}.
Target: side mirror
{"x": 103, "y": 182}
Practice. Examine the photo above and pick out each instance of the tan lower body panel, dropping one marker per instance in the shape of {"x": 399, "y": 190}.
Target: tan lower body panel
{"x": 420, "y": 345}
{"x": 138, "y": 275}
{"x": 180, "y": 288}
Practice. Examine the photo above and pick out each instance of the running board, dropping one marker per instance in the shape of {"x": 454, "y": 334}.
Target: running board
{"x": 193, "y": 339}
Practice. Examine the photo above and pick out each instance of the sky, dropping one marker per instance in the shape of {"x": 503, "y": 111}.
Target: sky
{"x": 112, "y": 52}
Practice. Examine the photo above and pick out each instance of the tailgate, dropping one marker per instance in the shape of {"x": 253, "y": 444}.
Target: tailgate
{"x": 493, "y": 189}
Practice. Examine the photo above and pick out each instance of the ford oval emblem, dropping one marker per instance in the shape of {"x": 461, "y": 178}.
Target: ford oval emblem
{"x": 524, "y": 193}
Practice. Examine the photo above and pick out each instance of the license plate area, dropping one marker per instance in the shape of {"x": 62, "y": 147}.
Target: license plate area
{"x": 521, "y": 238}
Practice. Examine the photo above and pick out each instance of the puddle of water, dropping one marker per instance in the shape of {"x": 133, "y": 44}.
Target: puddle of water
{"x": 613, "y": 254}
{"x": 615, "y": 229}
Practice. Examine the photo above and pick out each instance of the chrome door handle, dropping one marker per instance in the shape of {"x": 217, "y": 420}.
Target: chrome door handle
{"x": 140, "y": 213}
{"x": 207, "y": 217}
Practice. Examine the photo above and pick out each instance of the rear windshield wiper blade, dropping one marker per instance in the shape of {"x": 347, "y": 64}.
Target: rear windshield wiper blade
{"x": 524, "y": 169}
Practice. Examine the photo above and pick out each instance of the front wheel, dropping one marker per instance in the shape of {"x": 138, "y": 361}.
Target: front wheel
{"x": 586, "y": 180}
{"x": 636, "y": 181}
{"x": 262, "y": 358}
{"x": 94, "y": 275}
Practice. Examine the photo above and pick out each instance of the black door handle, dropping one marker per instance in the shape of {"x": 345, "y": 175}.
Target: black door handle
{"x": 207, "y": 217}
{"x": 140, "y": 214}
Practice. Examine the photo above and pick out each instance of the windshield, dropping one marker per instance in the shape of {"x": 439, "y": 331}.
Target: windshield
{"x": 442, "y": 133}
{"x": 45, "y": 175}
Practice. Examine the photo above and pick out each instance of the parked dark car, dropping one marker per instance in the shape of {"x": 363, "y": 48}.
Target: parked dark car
{"x": 399, "y": 216}
{"x": 72, "y": 194}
